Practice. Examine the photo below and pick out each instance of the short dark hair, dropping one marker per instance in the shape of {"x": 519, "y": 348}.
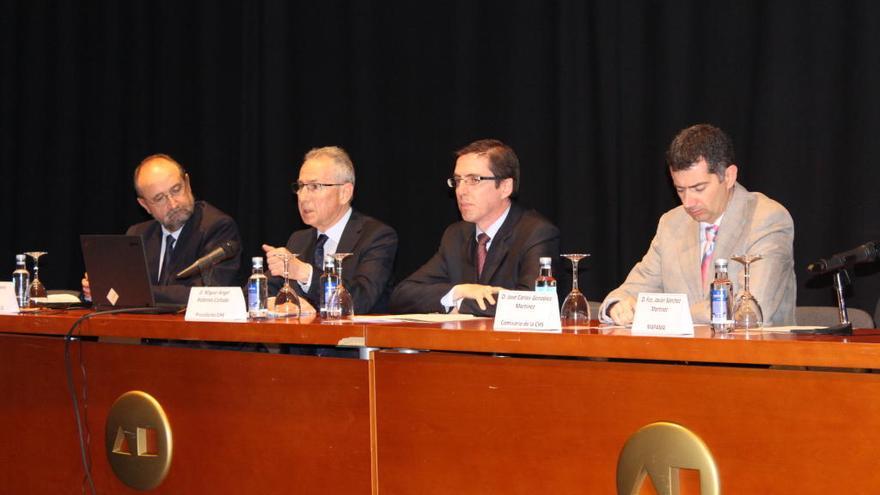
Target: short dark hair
{"x": 163, "y": 156}
{"x": 502, "y": 160}
{"x": 701, "y": 141}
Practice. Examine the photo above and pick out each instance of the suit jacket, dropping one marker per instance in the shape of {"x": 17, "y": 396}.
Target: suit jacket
{"x": 752, "y": 224}
{"x": 366, "y": 273}
{"x": 512, "y": 263}
{"x": 206, "y": 229}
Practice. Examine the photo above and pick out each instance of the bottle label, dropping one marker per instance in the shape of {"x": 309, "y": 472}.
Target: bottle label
{"x": 719, "y": 305}
{"x": 253, "y": 297}
{"x": 545, "y": 288}
{"x": 329, "y": 290}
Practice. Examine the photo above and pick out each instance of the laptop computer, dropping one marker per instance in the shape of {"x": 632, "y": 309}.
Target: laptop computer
{"x": 118, "y": 273}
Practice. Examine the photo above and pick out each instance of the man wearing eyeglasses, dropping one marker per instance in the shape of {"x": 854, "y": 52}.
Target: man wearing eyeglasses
{"x": 496, "y": 246}
{"x": 182, "y": 231}
{"x": 324, "y": 192}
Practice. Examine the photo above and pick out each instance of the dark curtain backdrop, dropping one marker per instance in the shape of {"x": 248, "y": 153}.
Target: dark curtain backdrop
{"x": 589, "y": 94}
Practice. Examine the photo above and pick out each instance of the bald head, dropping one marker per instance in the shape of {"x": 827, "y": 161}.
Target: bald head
{"x": 163, "y": 190}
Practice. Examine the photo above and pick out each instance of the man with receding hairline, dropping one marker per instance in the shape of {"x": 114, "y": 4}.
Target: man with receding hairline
{"x": 324, "y": 191}
{"x": 182, "y": 231}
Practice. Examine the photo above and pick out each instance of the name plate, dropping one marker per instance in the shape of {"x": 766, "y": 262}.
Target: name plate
{"x": 8, "y": 301}
{"x": 662, "y": 314}
{"x": 526, "y": 311}
{"x": 216, "y": 304}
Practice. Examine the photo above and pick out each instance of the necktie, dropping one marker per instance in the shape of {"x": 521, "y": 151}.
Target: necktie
{"x": 482, "y": 240}
{"x": 318, "y": 260}
{"x": 166, "y": 260}
{"x": 709, "y": 248}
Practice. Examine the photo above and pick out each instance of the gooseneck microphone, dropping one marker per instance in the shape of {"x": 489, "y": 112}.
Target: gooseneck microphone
{"x": 864, "y": 253}
{"x": 227, "y": 249}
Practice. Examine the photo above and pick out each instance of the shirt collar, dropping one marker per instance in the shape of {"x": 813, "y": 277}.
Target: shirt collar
{"x": 495, "y": 227}
{"x": 335, "y": 232}
{"x": 174, "y": 234}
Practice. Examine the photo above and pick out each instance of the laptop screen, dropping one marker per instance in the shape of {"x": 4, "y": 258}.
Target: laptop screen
{"x": 117, "y": 269}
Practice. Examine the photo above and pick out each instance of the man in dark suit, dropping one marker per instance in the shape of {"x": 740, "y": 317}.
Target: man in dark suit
{"x": 324, "y": 192}
{"x": 182, "y": 231}
{"x": 496, "y": 246}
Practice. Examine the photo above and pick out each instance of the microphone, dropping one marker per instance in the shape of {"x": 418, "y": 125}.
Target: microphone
{"x": 227, "y": 249}
{"x": 866, "y": 252}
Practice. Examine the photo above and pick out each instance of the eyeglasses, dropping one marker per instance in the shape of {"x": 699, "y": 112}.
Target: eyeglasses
{"x": 312, "y": 187}
{"x": 162, "y": 198}
{"x": 471, "y": 180}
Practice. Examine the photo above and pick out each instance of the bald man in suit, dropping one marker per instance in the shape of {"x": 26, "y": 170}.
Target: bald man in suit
{"x": 718, "y": 218}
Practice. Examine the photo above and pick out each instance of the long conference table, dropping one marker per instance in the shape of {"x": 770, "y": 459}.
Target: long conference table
{"x": 438, "y": 408}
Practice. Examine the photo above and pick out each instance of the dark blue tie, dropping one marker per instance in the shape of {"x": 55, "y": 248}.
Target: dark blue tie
{"x": 318, "y": 261}
{"x": 165, "y": 276}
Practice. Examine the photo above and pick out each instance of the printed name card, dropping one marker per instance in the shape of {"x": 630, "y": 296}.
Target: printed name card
{"x": 216, "y": 304}
{"x": 662, "y": 314}
{"x": 8, "y": 302}
{"x": 526, "y": 311}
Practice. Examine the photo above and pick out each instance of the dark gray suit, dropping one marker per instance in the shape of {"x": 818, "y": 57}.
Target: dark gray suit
{"x": 511, "y": 263}
{"x": 205, "y": 230}
{"x": 366, "y": 273}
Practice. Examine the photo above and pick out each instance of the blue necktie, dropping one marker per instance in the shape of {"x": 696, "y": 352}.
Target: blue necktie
{"x": 165, "y": 276}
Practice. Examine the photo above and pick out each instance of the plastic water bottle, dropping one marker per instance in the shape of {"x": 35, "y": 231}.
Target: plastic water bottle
{"x": 545, "y": 281}
{"x": 257, "y": 290}
{"x": 721, "y": 297}
{"x": 21, "y": 279}
{"x": 329, "y": 282}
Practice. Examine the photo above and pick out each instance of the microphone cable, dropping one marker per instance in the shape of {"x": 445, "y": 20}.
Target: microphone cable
{"x": 71, "y": 389}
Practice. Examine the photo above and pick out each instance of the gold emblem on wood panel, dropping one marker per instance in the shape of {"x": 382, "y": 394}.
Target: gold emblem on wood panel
{"x": 138, "y": 440}
{"x": 659, "y": 450}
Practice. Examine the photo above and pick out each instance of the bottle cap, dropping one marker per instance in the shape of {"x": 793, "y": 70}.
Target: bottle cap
{"x": 19, "y": 258}
{"x": 545, "y": 260}
{"x": 329, "y": 260}
{"x": 720, "y": 262}
{"x": 257, "y": 260}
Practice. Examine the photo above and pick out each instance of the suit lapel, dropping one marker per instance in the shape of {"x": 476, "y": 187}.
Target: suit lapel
{"x": 689, "y": 261}
{"x": 153, "y": 246}
{"x": 351, "y": 233}
{"x": 500, "y": 245}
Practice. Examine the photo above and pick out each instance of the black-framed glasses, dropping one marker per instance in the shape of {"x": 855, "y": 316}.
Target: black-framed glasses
{"x": 471, "y": 180}
{"x": 312, "y": 187}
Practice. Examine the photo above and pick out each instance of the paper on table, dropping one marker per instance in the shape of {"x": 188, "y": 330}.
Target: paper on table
{"x": 57, "y": 298}
{"x": 786, "y": 329}
{"x": 420, "y": 318}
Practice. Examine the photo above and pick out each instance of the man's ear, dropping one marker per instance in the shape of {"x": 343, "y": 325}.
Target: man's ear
{"x": 143, "y": 204}
{"x": 347, "y": 192}
{"x": 730, "y": 175}
{"x": 507, "y": 187}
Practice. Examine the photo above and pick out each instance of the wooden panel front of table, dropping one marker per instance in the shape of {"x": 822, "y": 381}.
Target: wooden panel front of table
{"x": 242, "y": 422}
{"x": 551, "y": 413}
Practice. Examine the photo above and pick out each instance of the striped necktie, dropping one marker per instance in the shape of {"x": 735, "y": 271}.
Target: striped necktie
{"x": 709, "y": 248}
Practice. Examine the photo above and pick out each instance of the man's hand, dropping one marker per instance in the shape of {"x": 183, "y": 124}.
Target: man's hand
{"x": 299, "y": 271}
{"x": 622, "y": 311}
{"x": 87, "y": 291}
{"x": 479, "y": 293}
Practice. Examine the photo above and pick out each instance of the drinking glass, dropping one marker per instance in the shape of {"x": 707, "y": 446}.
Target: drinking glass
{"x": 747, "y": 312}
{"x": 575, "y": 309}
{"x": 341, "y": 305}
{"x": 286, "y": 301}
{"x": 37, "y": 288}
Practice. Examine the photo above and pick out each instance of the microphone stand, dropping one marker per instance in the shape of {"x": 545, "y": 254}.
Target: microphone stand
{"x": 841, "y": 279}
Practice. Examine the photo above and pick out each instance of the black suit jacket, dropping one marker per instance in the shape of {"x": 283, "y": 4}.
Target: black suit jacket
{"x": 204, "y": 231}
{"x": 366, "y": 273}
{"x": 512, "y": 263}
